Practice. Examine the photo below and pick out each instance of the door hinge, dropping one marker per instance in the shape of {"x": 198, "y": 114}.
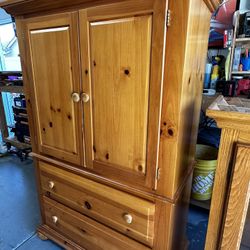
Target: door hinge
{"x": 169, "y": 16}
{"x": 158, "y": 173}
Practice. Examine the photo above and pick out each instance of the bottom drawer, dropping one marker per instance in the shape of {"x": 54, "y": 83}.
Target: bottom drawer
{"x": 84, "y": 231}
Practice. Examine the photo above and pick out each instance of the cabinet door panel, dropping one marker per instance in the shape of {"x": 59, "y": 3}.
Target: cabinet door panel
{"x": 121, "y": 118}
{"x": 54, "y": 66}
{"x": 120, "y": 84}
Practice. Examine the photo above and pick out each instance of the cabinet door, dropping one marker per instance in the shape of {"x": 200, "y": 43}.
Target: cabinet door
{"x": 53, "y": 43}
{"x": 123, "y": 88}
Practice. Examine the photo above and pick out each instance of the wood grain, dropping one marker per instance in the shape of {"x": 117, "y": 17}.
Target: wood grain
{"x": 106, "y": 204}
{"x": 130, "y": 104}
{"x": 34, "y": 8}
{"x": 60, "y": 239}
{"x": 84, "y": 231}
{"x": 126, "y": 8}
{"x": 159, "y": 38}
{"x": 227, "y": 143}
{"x": 230, "y": 119}
{"x": 235, "y": 128}
{"x": 212, "y": 4}
{"x": 54, "y": 66}
{"x": 172, "y": 235}
{"x": 154, "y": 89}
{"x": 22, "y": 36}
{"x": 238, "y": 203}
{"x": 182, "y": 92}
{"x": 120, "y": 90}
{"x": 143, "y": 193}
{"x": 86, "y": 88}
{"x": 19, "y": 7}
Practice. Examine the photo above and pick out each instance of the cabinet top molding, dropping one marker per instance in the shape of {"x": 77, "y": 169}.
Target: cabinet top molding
{"x": 229, "y": 119}
{"x": 31, "y": 7}
{"x": 18, "y": 8}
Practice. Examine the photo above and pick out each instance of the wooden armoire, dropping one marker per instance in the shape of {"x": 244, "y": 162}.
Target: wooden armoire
{"x": 113, "y": 90}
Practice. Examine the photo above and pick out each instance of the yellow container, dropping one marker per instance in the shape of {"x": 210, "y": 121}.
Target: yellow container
{"x": 204, "y": 171}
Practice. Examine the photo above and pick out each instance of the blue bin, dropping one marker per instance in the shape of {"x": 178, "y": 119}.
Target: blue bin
{"x": 246, "y": 63}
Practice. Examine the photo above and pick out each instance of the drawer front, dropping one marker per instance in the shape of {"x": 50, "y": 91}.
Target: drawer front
{"x": 89, "y": 234}
{"x": 126, "y": 213}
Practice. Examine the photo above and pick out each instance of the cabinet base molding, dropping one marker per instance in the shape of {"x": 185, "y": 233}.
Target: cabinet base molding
{"x": 42, "y": 236}
{"x": 61, "y": 240}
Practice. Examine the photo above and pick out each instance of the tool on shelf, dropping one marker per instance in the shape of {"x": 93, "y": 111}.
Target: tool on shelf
{"x": 12, "y": 82}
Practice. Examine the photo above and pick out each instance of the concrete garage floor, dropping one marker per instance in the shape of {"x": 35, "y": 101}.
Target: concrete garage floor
{"x": 20, "y": 215}
{"x": 19, "y": 209}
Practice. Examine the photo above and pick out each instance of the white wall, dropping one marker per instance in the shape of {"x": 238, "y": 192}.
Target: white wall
{"x": 244, "y": 5}
{"x": 4, "y": 17}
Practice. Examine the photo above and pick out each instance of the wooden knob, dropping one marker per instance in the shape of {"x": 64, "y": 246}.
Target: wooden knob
{"x": 54, "y": 219}
{"x": 75, "y": 97}
{"x": 85, "y": 97}
{"x": 128, "y": 218}
{"x": 51, "y": 184}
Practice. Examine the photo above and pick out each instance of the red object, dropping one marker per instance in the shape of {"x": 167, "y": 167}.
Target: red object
{"x": 243, "y": 87}
{"x": 225, "y": 38}
{"x": 228, "y": 37}
{"x": 221, "y": 20}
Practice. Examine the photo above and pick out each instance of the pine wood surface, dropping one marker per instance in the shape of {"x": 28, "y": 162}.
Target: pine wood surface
{"x": 173, "y": 214}
{"x": 162, "y": 88}
{"x": 93, "y": 176}
{"x": 122, "y": 105}
{"x": 25, "y": 59}
{"x": 232, "y": 119}
{"x": 228, "y": 139}
{"x": 212, "y": 4}
{"x": 133, "y": 82}
{"x": 176, "y": 215}
{"x": 235, "y": 129}
{"x": 55, "y": 236}
{"x": 103, "y": 203}
{"x": 58, "y": 117}
{"x": 238, "y": 201}
{"x": 175, "y": 178}
{"x": 139, "y": 175}
{"x": 182, "y": 92}
{"x": 19, "y": 7}
{"x": 84, "y": 231}
{"x": 121, "y": 8}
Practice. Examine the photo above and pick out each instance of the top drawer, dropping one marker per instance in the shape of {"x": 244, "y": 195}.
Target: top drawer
{"x": 124, "y": 212}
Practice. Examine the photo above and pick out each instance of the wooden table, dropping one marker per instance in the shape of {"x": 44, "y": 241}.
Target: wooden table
{"x": 236, "y": 225}
{"x": 235, "y": 129}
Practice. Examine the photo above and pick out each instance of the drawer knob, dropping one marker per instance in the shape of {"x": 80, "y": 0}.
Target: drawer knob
{"x": 128, "y": 218}
{"x": 75, "y": 97}
{"x": 85, "y": 97}
{"x": 51, "y": 184}
{"x": 54, "y": 219}
{"x": 87, "y": 205}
